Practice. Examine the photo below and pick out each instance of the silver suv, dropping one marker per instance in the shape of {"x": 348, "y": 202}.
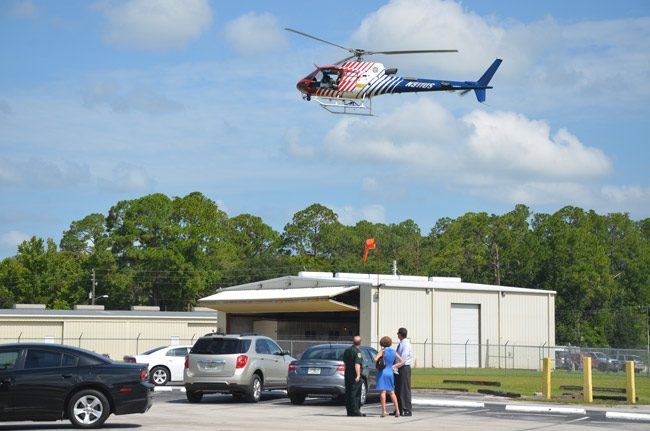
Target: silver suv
{"x": 242, "y": 365}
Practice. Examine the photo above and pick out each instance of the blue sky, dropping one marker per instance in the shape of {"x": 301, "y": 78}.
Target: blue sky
{"x": 115, "y": 99}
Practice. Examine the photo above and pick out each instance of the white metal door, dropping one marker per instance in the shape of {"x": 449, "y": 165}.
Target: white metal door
{"x": 465, "y": 335}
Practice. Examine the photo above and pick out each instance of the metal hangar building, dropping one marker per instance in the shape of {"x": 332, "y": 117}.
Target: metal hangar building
{"x": 451, "y": 323}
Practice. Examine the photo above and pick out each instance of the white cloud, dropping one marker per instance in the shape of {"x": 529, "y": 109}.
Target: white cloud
{"x": 22, "y": 8}
{"x": 12, "y": 239}
{"x": 499, "y": 151}
{"x": 5, "y": 107}
{"x": 39, "y": 173}
{"x": 295, "y": 148}
{"x": 256, "y": 33}
{"x": 103, "y": 93}
{"x": 154, "y": 24}
{"x": 127, "y": 178}
{"x": 514, "y": 144}
{"x": 556, "y": 63}
{"x": 350, "y": 215}
{"x": 621, "y": 194}
{"x": 539, "y": 193}
{"x": 627, "y": 198}
{"x": 369, "y": 185}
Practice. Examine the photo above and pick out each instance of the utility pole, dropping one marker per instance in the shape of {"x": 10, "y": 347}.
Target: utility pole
{"x": 92, "y": 295}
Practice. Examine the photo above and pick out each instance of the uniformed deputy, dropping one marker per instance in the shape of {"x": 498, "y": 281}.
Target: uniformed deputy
{"x": 353, "y": 360}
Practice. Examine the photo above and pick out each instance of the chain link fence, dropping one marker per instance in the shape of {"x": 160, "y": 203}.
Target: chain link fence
{"x": 499, "y": 357}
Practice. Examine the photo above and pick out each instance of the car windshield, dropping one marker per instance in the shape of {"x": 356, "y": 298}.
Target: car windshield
{"x": 220, "y": 346}
{"x": 327, "y": 352}
{"x": 149, "y": 352}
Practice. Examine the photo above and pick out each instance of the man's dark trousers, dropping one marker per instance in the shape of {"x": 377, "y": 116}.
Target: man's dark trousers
{"x": 403, "y": 388}
{"x": 353, "y": 397}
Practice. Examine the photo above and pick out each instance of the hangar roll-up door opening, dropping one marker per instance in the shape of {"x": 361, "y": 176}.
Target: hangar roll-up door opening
{"x": 465, "y": 335}
{"x": 317, "y": 313}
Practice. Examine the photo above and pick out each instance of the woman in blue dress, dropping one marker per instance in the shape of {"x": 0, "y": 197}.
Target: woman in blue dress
{"x": 385, "y": 377}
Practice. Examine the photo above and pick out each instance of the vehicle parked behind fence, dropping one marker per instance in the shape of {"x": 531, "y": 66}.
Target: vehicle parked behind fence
{"x": 165, "y": 363}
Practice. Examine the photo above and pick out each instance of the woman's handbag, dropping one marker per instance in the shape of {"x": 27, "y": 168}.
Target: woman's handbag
{"x": 381, "y": 363}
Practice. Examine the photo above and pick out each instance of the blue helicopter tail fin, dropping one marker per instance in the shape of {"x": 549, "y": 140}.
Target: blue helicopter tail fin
{"x": 485, "y": 80}
{"x": 480, "y": 94}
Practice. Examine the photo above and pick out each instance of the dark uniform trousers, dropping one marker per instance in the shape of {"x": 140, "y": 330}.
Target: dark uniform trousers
{"x": 353, "y": 397}
{"x": 403, "y": 388}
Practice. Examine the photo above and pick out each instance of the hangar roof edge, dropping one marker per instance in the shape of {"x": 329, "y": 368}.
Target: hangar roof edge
{"x": 325, "y": 279}
{"x": 190, "y": 315}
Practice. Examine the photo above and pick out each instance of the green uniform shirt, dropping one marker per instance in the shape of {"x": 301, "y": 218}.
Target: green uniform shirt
{"x": 352, "y": 356}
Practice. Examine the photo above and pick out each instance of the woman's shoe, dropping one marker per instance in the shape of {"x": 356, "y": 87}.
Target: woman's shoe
{"x": 396, "y": 415}
{"x": 383, "y": 414}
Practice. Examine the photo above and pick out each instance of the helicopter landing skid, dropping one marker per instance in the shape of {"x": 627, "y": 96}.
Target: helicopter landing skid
{"x": 346, "y": 106}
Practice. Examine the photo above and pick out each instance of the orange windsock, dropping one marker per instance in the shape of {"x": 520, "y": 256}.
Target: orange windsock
{"x": 370, "y": 245}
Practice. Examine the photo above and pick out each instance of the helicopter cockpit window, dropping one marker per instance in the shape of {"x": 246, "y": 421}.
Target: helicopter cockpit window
{"x": 327, "y": 78}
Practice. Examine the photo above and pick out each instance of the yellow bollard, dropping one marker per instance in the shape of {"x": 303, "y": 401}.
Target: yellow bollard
{"x": 587, "y": 385}
{"x": 546, "y": 384}
{"x": 631, "y": 386}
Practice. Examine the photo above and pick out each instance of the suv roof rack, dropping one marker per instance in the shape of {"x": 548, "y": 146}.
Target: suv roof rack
{"x": 214, "y": 333}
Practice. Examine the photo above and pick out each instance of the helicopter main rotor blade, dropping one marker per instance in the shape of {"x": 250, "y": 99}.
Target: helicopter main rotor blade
{"x": 320, "y": 40}
{"x": 344, "y": 60}
{"x": 412, "y": 51}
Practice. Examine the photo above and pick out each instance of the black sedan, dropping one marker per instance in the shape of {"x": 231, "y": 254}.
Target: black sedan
{"x": 46, "y": 382}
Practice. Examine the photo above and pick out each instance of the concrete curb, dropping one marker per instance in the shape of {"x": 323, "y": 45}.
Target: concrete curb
{"x": 628, "y": 416}
{"x": 527, "y": 408}
{"x": 546, "y": 409}
{"x": 168, "y": 388}
{"x": 449, "y": 403}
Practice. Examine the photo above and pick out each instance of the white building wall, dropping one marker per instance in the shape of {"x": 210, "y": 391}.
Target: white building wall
{"x": 409, "y": 308}
{"x": 489, "y": 327}
{"x": 114, "y": 336}
{"x": 13, "y": 331}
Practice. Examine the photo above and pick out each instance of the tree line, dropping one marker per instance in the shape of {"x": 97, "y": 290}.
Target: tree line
{"x": 157, "y": 250}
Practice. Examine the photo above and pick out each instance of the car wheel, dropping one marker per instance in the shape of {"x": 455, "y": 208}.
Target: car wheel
{"x": 297, "y": 399}
{"x": 364, "y": 391}
{"x": 88, "y": 409}
{"x": 159, "y": 376}
{"x": 194, "y": 396}
{"x": 255, "y": 389}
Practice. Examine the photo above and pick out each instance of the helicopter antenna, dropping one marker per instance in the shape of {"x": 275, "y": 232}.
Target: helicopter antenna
{"x": 359, "y": 53}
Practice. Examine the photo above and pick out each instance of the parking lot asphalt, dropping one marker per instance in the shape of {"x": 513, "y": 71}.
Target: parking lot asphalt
{"x": 171, "y": 411}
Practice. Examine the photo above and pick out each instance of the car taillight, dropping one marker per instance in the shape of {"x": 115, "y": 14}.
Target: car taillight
{"x": 292, "y": 366}
{"x": 340, "y": 367}
{"x": 187, "y": 361}
{"x": 242, "y": 360}
{"x": 144, "y": 375}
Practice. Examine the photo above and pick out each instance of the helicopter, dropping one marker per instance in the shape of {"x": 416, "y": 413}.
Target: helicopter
{"x": 348, "y": 86}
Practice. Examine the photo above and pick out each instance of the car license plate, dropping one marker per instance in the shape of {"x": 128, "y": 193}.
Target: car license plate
{"x": 313, "y": 370}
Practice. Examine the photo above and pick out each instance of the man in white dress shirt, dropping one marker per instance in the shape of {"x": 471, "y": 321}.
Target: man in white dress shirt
{"x": 403, "y": 379}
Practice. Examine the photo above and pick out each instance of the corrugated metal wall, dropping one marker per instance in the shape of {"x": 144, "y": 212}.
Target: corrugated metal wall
{"x": 35, "y": 331}
{"x": 516, "y": 318}
{"x": 408, "y": 308}
{"x": 115, "y": 337}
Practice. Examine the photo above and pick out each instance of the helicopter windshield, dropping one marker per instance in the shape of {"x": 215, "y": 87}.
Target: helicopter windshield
{"x": 326, "y": 77}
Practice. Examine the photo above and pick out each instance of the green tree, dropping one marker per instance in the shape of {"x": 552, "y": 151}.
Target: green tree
{"x": 574, "y": 263}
